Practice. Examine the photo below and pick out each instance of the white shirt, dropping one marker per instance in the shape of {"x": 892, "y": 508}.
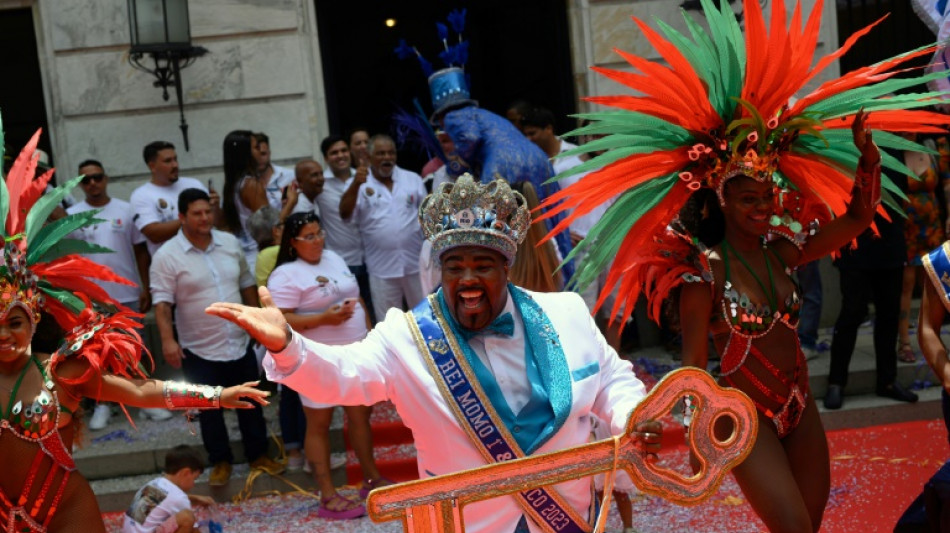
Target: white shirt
{"x": 118, "y": 234}
{"x": 387, "y": 365}
{"x": 440, "y": 176}
{"x": 193, "y": 279}
{"x": 152, "y": 505}
{"x": 281, "y": 178}
{"x": 309, "y": 289}
{"x": 304, "y": 205}
{"x": 389, "y": 224}
{"x": 504, "y": 358}
{"x": 581, "y": 225}
{"x": 152, "y": 203}
{"x": 343, "y": 237}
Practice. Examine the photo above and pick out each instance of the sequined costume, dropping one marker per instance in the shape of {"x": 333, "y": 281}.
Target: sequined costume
{"x": 36, "y": 421}
{"x": 782, "y": 400}
{"x": 487, "y": 145}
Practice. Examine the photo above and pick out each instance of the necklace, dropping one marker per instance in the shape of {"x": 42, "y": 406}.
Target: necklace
{"x": 769, "y": 294}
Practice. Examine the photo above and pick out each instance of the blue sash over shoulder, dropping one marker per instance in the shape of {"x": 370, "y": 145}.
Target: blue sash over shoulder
{"x": 460, "y": 386}
{"x": 937, "y": 265}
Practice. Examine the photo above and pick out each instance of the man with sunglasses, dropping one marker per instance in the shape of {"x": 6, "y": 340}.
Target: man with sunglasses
{"x": 129, "y": 258}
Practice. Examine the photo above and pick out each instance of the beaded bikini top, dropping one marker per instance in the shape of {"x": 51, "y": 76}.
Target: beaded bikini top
{"x": 750, "y": 319}
{"x": 34, "y": 420}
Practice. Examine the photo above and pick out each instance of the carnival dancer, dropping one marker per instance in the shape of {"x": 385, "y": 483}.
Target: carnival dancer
{"x": 481, "y": 371}
{"x": 725, "y": 188}
{"x": 40, "y": 275}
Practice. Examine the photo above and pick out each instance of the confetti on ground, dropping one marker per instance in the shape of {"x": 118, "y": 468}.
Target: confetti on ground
{"x": 867, "y": 494}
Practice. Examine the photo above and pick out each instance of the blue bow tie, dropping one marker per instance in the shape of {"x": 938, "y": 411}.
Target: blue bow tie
{"x": 503, "y": 324}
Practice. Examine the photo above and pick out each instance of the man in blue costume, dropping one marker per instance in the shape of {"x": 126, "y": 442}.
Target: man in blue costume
{"x": 487, "y": 145}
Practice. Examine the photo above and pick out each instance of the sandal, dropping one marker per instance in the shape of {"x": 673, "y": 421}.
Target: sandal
{"x": 337, "y": 507}
{"x": 905, "y": 353}
{"x": 370, "y": 484}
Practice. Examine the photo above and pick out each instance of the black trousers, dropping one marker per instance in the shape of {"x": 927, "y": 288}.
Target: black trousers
{"x": 362, "y": 279}
{"x": 858, "y": 287}
{"x": 214, "y": 432}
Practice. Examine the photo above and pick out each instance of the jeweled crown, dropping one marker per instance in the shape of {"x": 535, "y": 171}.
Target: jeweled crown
{"x": 468, "y": 213}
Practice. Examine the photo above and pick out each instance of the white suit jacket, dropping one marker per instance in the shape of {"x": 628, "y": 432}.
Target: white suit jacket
{"x": 387, "y": 365}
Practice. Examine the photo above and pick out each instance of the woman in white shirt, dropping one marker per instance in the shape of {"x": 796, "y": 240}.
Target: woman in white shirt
{"x": 319, "y": 296}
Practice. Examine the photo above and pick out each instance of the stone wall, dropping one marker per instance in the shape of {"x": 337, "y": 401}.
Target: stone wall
{"x": 262, "y": 73}
{"x": 600, "y": 26}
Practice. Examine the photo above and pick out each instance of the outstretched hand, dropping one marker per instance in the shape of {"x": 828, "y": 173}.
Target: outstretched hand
{"x": 231, "y": 397}
{"x": 266, "y": 324}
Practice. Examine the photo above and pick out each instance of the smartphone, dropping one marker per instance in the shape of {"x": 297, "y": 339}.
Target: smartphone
{"x": 350, "y": 303}
{"x": 210, "y": 186}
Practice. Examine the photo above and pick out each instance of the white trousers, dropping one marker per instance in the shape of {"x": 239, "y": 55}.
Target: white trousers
{"x": 389, "y": 292}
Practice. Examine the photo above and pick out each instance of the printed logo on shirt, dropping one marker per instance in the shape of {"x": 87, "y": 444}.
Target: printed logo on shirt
{"x": 144, "y": 502}
{"x": 117, "y": 224}
{"x": 327, "y": 286}
{"x": 369, "y": 191}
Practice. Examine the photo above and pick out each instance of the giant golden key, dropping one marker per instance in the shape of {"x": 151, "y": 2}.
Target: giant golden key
{"x": 435, "y": 504}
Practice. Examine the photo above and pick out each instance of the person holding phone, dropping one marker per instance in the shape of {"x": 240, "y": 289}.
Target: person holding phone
{"x": 319, "y": 297}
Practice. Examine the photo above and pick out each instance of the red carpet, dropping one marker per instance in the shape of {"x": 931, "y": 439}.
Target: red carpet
{"x": 876, "y": 473}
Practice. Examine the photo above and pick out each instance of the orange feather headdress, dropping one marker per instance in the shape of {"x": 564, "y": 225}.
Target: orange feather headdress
{"x": 717, "y": 107}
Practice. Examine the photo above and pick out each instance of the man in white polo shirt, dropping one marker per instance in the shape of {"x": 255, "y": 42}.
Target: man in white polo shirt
{"x": 155, "y": 203}
{"x": 129, "y": 258}
{"x": 386, "y": 209}
{"x": 196, "y": 267}
{"x": 343, "y": 237}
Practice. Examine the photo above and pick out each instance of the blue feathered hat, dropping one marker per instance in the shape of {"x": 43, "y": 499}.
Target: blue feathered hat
{"x": 448, "y": 87}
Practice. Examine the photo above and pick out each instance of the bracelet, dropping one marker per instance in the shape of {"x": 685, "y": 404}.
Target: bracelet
{"x": 182, "y": 396}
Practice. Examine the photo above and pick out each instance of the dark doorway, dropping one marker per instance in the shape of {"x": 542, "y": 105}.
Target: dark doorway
{"x": 21, "y": 95}
{"x": 517, "y": 50}
{"x": 900, "y": 32}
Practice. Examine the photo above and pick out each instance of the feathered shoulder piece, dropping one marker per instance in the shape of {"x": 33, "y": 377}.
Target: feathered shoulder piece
{"x": 667, "y": 261}
{"x": 42, "y": 272}
{"x": 719, "y": 105}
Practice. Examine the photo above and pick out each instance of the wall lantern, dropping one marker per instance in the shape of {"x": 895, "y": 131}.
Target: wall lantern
{"x": 160, "y": 30}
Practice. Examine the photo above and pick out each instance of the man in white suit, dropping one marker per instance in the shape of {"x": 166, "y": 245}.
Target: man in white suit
{"x": 481, "y": 371}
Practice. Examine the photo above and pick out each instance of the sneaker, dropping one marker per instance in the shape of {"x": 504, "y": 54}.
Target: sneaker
{"x": 337, "y": 460}
{"x": 295, "y": 462}
{"x": 220, "y": 474}
{"x": 154, "y": 413}
{"x": 337, "y": 507}
{"x": 810, "y": 353}
{"x": 268, "y": 465}
{"x": 100, "y": 416}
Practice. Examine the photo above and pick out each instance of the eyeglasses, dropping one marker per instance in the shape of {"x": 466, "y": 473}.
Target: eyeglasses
{"x": 320, "y": 235}
{"x": 89, "y": 178}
